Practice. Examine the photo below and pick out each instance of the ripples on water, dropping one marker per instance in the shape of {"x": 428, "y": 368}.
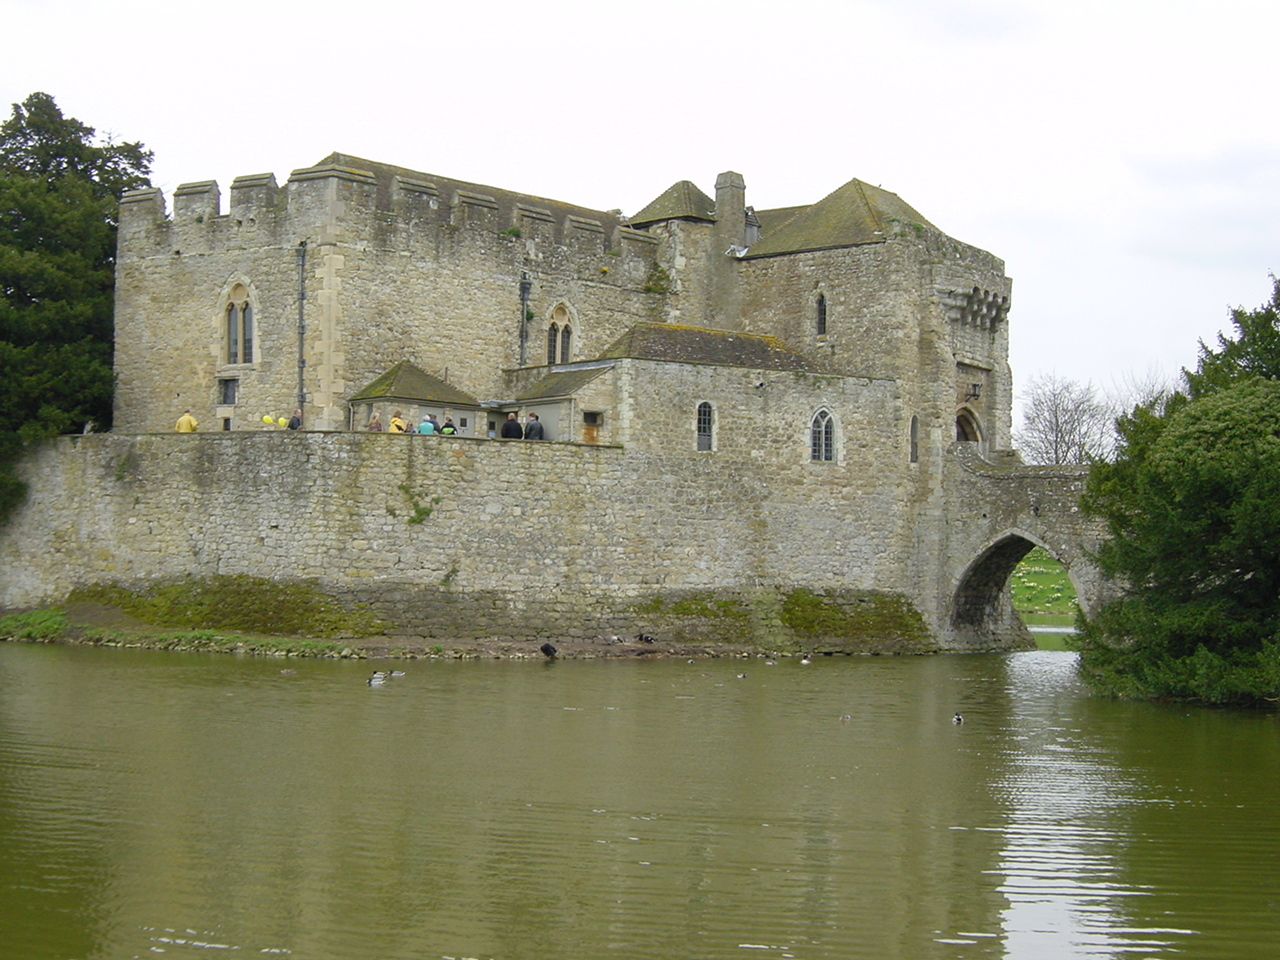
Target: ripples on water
{"x": 187, "y": 806}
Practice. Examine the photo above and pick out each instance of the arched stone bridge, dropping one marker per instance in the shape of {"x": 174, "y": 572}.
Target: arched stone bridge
{"x": 996, "y": 510}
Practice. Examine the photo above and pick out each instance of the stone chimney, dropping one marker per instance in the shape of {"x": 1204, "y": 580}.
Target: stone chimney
{"x": 728, "y": 239}
{"x": 731, "y": 211}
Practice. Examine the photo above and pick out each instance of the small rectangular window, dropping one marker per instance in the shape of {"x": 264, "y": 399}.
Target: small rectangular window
{"x": 228, "y": 390}
{"x": 592, "y": 418}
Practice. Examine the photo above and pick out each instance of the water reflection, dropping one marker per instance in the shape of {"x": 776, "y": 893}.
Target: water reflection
{"x": 182, "y": 804}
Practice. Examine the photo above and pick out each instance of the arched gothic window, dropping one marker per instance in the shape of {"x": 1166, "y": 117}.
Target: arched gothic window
{"x": 705, "y": 421}
{"x": 553, "y": 333}
{"x": 821, "y": 318}
{"x": 566, "y": 336}
{"x": 238, "y": 331}
{"x": 822, "y": 436}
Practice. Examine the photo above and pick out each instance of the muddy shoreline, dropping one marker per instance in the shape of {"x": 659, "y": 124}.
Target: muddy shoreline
{"x": 94, "y": 624}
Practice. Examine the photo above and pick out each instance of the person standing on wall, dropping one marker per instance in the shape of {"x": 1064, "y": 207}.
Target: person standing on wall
{"x": 397, "y": 424}
{"x": 295, "y": 422}
{"x": 511, "y": 429}
{"x": 428, "y": 425}
{"x": 533, "y": 429}
{"x": 375, "y": 424}
{"x": 447, "y": 428}
{"x": 186, "y": 423}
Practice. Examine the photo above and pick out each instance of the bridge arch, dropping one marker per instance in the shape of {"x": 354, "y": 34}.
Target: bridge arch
{"x": 982, "y": 614}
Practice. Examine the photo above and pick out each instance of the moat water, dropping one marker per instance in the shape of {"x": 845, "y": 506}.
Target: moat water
{"x": 187, "y": 806}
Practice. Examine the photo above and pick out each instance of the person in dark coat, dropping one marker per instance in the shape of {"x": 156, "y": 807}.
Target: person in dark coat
{"x": 511, "y": 430}
{"x": 533, "y": 429}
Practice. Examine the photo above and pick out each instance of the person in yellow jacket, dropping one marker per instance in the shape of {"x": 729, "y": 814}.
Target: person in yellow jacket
{"x": 398, "y": 424}
{"x": 186, "y": 423}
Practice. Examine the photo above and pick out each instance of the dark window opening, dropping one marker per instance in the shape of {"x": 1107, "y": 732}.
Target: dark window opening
{"x": 565, "y": 337}
{"x": 915, "y": 439}
{"x": 822, "y": 314}
{"x": 228, "y": 390}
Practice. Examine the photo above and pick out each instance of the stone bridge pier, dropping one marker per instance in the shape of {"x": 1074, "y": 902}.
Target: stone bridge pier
{"x": 995, "y": 510}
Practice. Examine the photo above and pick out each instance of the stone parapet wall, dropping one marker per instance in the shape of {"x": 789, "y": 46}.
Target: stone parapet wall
{"x": 439, "y": 535}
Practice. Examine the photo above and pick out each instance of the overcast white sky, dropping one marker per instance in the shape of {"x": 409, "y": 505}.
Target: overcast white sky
{"x": 1122, "y": 156}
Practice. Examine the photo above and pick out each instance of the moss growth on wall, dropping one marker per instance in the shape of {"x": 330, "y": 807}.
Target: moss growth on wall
{"x": 658, "y": 280}
{"x": 795, "y": 620}
{"x": 704, "y": 604}
{"x": 854, "y": 621}
{"x": 245, "y": 603}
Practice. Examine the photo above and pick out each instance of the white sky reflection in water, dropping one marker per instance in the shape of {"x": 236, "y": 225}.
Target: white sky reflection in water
{"x": 1065, "y": 897}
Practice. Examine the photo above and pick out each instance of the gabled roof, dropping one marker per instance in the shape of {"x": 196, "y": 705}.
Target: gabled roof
{"x": 856, "y": 213}
{"x": 681, "y": 344}
{"x": 680, "y": 201}
{"x": 405, "y": 381}
{"x": 563, "y": 384}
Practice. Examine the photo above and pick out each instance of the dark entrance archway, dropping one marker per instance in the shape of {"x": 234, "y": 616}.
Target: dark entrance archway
{"x": 982, "y": 614}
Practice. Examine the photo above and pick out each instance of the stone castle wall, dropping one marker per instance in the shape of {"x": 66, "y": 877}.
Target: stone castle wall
{"x": 449, "y": 536}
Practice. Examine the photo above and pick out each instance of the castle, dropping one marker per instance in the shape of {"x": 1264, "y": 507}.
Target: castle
{"x": 315, "y": 295}
{"x": 750, "y": 405}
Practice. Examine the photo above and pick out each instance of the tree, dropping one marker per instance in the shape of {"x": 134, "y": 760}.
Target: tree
{"x": 59, "y": 193}
{"x": 1192, "y": 503}
{"x": 1064, "y": 422}
{"x": 1255, "y": 351}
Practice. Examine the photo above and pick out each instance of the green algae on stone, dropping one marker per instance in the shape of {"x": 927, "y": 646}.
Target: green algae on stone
{"x": 238, "y": 602}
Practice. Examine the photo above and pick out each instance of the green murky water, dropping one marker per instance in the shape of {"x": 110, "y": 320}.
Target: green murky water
{"x": 183, "y": 806}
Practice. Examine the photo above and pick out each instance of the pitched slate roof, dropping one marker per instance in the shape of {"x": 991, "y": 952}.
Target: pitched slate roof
{"x": 856, "y": 213}
{"x": 405, "y": 381}
{"x": 681, "y": 344}
{"x": 563, "y": 384}
{"x": 680, "y": 201}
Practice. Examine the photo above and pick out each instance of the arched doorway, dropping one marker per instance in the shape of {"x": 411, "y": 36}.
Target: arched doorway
{"x": 967, "y": 429}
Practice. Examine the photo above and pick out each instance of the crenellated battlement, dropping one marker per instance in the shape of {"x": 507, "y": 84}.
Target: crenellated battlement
{"x": 340, "y": 199}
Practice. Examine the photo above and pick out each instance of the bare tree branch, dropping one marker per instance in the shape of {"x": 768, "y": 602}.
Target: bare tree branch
{"x": 1065, "y": 422}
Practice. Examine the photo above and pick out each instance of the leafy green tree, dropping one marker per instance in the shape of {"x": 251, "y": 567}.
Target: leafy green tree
{"x": 1255, "y": 350}
{"x": 1192, "y": 503}
{"x": 59, "y": 193}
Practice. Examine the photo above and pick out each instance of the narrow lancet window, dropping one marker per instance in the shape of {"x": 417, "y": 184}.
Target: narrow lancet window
{"x": 238, "y": 332}
{"x": 821, "y": 320}
{"x": 233, "y": 333}
{"x": 704, "y": 425}
{"x": 565, "y": 337}
{"x": 553, "y": 336}
{"x": 822, "y": 437}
